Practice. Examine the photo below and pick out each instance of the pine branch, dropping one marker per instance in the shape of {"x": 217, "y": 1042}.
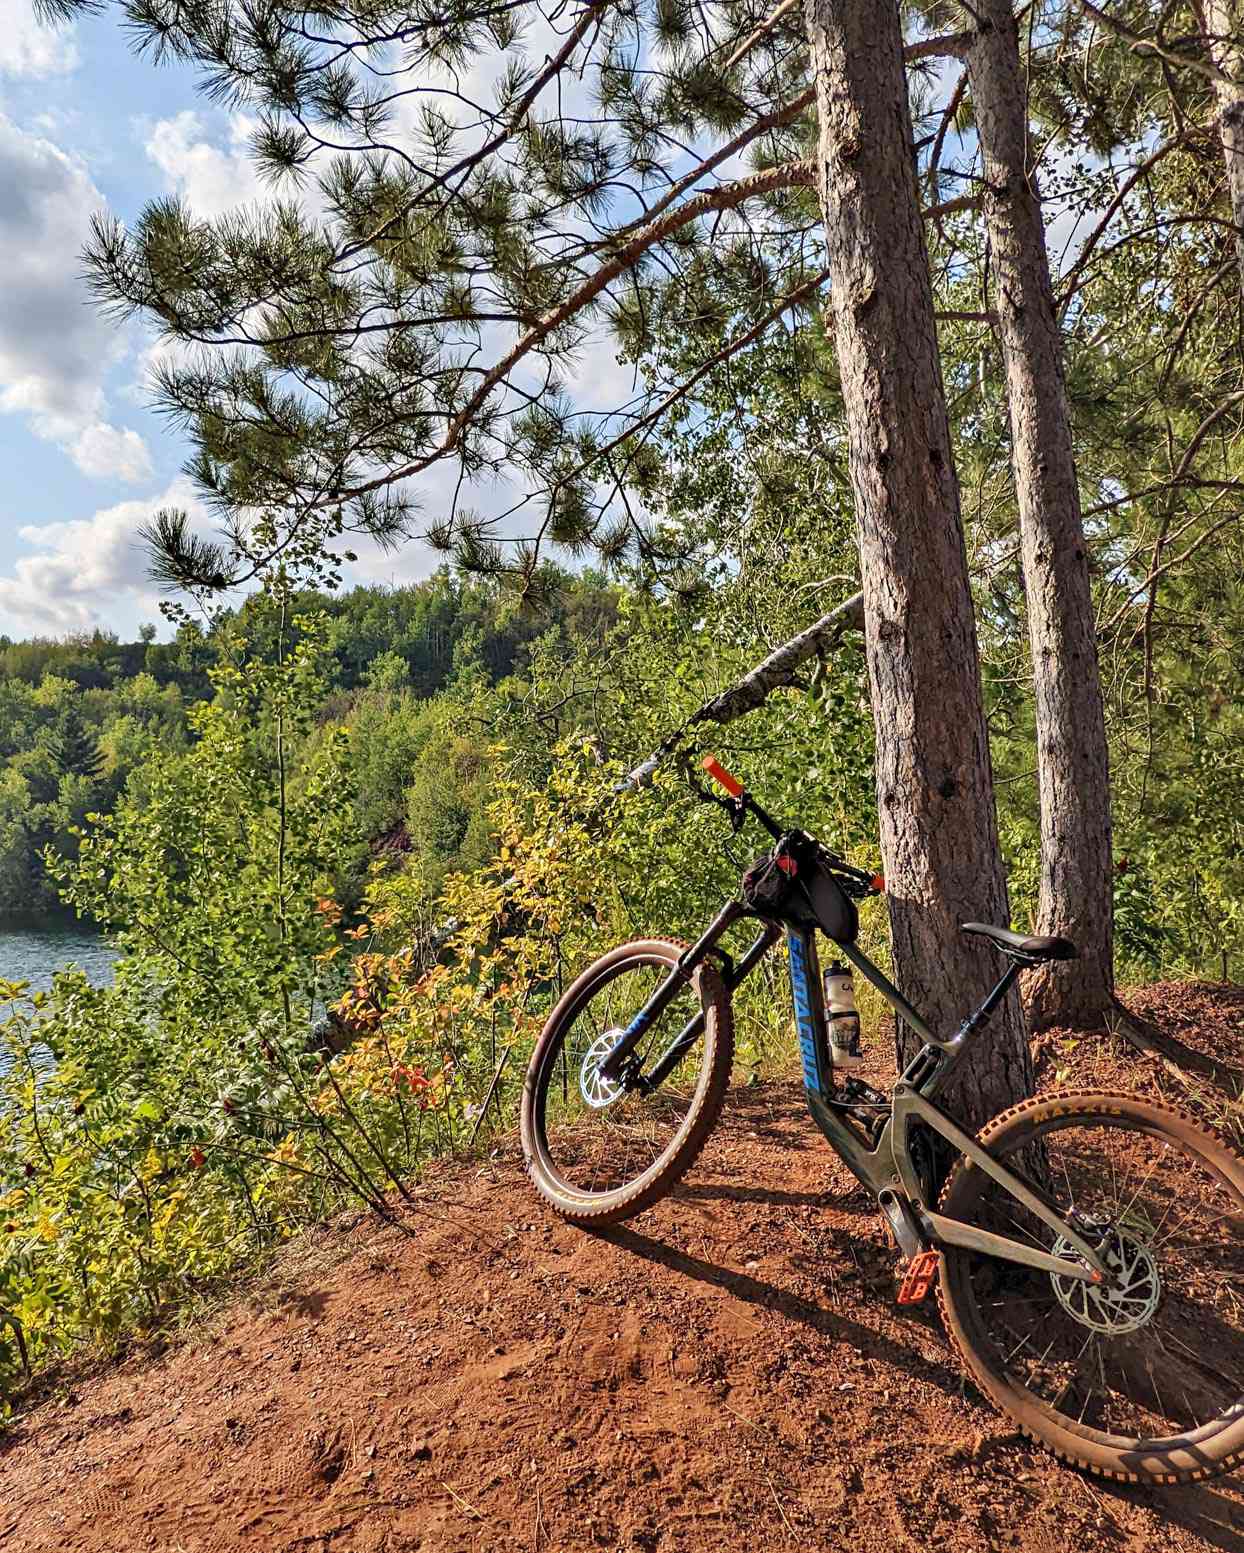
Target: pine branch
{"x": 726, "y": 197}
{"x": 759, "y": 34}
{"x": 52, "y": 11}
{"x": 512, "y": 123}
{"x": 761, "y": 126}
{"x": 179, "y": 559}
{"x": 1142, "y": 45}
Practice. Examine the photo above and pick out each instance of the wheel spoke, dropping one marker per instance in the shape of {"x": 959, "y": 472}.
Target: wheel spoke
{"x": 599, "y": 1135}
{"x": 1156, "y": 1350}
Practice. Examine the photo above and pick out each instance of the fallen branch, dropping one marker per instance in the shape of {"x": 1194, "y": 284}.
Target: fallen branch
{"x": 755, "y": 688}
{"x": 778, "y": 669}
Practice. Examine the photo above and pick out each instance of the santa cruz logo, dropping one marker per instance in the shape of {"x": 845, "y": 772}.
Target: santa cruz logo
{"x": 801, "y": 993}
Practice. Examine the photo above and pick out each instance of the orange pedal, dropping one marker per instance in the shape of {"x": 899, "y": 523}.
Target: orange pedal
{"x": 918, "y": 1279}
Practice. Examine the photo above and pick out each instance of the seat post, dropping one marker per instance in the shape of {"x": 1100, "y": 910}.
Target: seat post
{"x": 975, "y": 1020}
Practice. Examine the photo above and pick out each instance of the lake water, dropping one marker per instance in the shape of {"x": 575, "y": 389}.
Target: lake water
{"x": 32, "y": 948}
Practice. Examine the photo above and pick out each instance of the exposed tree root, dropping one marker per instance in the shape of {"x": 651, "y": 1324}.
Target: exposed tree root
{"x": 1179, "y": 1060}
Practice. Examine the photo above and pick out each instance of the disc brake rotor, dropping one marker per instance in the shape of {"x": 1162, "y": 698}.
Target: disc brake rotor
{"x": 1126, "y": 1303}
{"x": 597, "y": 1090}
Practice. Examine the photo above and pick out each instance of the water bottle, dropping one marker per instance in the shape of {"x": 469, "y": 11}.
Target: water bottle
{"x": 843, "y": 1020}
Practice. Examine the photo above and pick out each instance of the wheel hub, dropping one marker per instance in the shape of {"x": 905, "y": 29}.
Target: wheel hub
{"x": 1124, "y": 1304}
{"x": 597, "y": 1090}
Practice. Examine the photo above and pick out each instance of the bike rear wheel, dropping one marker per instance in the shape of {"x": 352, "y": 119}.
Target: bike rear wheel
{"x": 599, "y": 1153}
{"x": 1141, "y": 1380}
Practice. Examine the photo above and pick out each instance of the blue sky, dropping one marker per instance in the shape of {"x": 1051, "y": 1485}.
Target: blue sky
{"x": 86, "y": 126}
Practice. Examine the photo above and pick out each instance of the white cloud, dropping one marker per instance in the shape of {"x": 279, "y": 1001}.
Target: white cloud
{"x": 158, "y": 352}
{"x": 213, "y": 179}
{"x": 27, "y": 48}
{"x": 88, "y": 571}
{"x": 55, "y": 348}
{"x": 112, "y": 453}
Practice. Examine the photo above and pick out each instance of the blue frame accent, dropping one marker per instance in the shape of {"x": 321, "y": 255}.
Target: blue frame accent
{"x": 801, "y": 974}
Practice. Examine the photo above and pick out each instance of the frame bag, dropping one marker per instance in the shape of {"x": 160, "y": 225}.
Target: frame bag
{"x": 791, "y": 884}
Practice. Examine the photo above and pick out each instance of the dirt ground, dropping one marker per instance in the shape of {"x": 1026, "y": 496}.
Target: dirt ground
{"x": 729, "y": 1371}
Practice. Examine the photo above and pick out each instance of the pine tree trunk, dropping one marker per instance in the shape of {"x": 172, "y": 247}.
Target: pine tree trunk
{"x": 1223, "y": 21}
{"x": 939, "y": 837}
{"x": 1072, "y": 760}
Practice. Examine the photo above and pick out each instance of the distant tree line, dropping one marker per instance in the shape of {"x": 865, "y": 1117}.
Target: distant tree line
{"x": 80, "y": 716}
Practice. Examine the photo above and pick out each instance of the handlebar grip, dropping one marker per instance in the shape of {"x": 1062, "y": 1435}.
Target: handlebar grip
{"x": 721, "y": 776}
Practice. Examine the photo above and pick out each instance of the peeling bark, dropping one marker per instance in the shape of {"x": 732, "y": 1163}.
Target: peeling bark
{"x": 938, "y": 825}
{"x": 779, "y": 667}
{"x": 1076, "y": 894}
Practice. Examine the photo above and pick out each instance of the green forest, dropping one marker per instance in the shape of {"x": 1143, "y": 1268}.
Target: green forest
{"x": 409, "y": 808}
{"x": 84, "y": 719}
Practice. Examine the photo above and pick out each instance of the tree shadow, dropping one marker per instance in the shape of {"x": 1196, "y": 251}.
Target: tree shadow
{"x": 776, "y": 1112}
{"x": 768, "y": 1296}
{"x": 778, "y": 1197}
{"x": 1204, "y": 1512}
{"x": 302, "y": 1302}
{"x": 1142, "y": 1032}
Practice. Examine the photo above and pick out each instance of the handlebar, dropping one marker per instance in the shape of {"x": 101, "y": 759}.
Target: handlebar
{"x": 741, "y": 803}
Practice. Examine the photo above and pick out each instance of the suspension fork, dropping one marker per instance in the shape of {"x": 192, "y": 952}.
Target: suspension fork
{"x": 694, "y": 1028}
{"x": 612, "y": 1065}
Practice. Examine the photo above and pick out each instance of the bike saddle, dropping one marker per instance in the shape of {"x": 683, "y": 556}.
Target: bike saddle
{"x": 1033, "y": 948}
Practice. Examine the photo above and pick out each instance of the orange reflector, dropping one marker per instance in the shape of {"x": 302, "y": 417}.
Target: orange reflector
{"x": 918, "y": 1279}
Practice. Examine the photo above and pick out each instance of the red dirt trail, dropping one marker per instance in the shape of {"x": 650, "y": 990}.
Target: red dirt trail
{"x": 727, "y": 1372}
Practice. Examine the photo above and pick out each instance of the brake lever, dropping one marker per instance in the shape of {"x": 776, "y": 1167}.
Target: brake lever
{"x": 866, "y": 883}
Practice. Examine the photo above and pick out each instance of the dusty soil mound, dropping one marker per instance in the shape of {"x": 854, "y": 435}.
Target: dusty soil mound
{"x": 729, "y": 1372}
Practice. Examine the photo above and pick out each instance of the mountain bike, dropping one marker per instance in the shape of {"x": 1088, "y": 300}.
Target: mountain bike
{"x": 1086, "y": 1247}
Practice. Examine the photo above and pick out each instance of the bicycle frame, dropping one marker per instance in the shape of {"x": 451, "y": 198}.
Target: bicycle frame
{"x": 885, "y": 1166}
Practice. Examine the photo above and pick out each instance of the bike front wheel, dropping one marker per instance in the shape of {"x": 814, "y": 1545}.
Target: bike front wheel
{"x": 599, "y": 1152}
{"x": 1140, "y": 1379}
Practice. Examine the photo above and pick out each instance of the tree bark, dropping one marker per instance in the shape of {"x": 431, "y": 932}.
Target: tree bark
{"x": 1223, "y": 22}
{"x": 939, "y": 837}
{"x": 1076, "y": 893}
